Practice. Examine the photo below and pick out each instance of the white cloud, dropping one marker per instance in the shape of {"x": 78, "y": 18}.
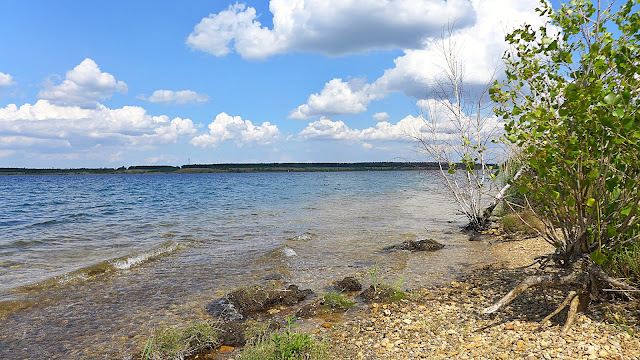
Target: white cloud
{"x": 325, "y": 129}
{"x": 243, "y": 132}
{"x": 83, "y": 87}
{"x": 410, "y": 128}
{"x": 332, "y": 27}
{"x": 381, "y": 116}
{"x": 479, "y": 47}
{"x": 336, "y": 98}
{"x": 49, "y": 125}
{"x": 176, "y": 97}
{"x": 6, "y": 80}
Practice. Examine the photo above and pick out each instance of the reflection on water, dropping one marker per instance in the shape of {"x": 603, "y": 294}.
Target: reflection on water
{"x": 224, "y": 231}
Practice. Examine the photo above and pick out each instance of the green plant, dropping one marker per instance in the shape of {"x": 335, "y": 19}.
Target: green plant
{"x": 625, "y": 262}
{"x": 288, "y": 345}
{"x": 172, "y": 342}
{"x": 336, "y": 300}
{"x": 570, "y": 101}
{"x": 146, "y": 352}
{"x": 373, "y": 274}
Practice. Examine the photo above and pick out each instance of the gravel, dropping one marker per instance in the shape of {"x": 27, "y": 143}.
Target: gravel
{"x": 446, "y": 322}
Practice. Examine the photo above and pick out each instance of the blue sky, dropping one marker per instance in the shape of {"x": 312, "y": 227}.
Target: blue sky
{"x": 120, "y": 83}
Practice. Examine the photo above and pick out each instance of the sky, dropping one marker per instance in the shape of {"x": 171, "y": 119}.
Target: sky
{"x": 120, "y": 83}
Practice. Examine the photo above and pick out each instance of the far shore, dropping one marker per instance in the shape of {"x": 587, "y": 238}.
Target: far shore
{"x": 231, "y": 168}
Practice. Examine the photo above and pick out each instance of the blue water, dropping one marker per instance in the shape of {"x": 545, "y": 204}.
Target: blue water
{"x": 173, "y": 242}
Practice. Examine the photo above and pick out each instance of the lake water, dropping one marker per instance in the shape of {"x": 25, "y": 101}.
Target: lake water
{"x": 89, "y": 265}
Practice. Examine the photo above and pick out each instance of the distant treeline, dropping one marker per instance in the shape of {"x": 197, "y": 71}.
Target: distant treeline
{"x": 231, "y": 168}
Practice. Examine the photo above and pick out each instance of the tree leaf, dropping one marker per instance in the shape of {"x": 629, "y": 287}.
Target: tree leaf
{"x": 598, "y": 257}
{"x": 591, "y": 202}
{"x": 610, "y": 99}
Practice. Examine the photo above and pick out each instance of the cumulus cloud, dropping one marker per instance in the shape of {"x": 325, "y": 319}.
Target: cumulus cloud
{"x": 326, "y": 129}
{"x": 336, "y": 98}
{"x": 176, "y": 97}
{"x": 478, "y": 46}
{"x": 49, "y": 125}
{"x": 83, "y": 86}
{"x": 331, "y": 27}
{"x": 437, "y": 118}
{"x": 6, "y": 80}
{"x": 381, "y": 116}
{"x": 243, "y": 132}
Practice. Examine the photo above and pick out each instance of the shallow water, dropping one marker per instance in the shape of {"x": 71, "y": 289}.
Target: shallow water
{"x": 90, "y": 264}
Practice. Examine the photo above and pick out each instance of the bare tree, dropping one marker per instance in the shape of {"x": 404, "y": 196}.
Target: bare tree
{"x": 459, "y": 133}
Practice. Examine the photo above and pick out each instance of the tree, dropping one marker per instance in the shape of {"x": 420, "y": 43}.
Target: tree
{"x": 457, "y": 141}
{"x": 570, "y": 99}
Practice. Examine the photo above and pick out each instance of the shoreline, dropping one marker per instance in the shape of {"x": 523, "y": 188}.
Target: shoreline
{"x": 446, "y": 322}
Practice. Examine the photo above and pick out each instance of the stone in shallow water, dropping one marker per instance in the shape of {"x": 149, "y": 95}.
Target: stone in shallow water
{"x": 416, "y": 245}
{"x": 257, "y": 299}
{"x": 349, "y": 283}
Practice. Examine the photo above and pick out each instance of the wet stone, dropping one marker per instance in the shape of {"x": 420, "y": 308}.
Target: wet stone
{"x": 416, "y": 245}
{"x": 349, "y": 283}
{"x": 256, "y": 299}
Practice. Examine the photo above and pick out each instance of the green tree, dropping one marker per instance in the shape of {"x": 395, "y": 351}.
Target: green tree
{"x": 570, "y": 99}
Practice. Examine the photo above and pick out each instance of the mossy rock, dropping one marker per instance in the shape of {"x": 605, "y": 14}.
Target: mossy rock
{"x": 416, "y": 245}
{"x": 349, "y": 283}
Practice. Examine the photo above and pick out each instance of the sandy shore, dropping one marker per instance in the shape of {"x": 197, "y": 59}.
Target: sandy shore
{"x": 446, "y": 322}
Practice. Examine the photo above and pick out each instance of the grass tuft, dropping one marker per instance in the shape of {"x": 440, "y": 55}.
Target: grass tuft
{"x": 175, "y": 343}
{"x": 625, "y": 263}
{"x": 336, "y": 300}
{"x": 287, "y": 345}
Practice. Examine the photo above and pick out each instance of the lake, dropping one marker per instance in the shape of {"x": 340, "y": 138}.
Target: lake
{"x": 90, "y": 264}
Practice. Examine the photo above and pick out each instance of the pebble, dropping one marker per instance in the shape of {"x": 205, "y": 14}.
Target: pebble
{"x": 447, "y": 323}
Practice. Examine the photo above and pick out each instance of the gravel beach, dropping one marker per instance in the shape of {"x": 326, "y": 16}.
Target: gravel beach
{"x": 446, "y": 322}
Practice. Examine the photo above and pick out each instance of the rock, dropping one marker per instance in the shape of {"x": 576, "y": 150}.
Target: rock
{"x": 257, "y": 299}
{"x": 419, "y": 245}
{"x": 313, "y": 309}
{"x": 231, "y": 334}
{"x": 349, "y": 283}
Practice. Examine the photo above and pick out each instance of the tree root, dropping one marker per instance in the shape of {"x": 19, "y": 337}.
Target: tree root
{"x": 581, "y": 277}
{"x": 564, "y": 304}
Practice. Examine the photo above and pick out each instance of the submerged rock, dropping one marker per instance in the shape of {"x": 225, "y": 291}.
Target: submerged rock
{"x": 349, "y": 283}
{"x": 382, "y": 293}
{"x": 256, "y": 299}
{"x": 416, "y": 245}
{"x": 314, "y": 309}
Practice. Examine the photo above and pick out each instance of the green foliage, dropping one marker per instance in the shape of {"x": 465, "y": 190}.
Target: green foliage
{"x": 175, "y": 343}
{"x": 288, "y": 345}
{"x": 570, "y": 100}
{"x": 625, "y": 262}
{"x": 336, "y": 300}
{"x": 373, "y": 275}
{"x": 391, "y": 292}
{"x": 146, "y": 352}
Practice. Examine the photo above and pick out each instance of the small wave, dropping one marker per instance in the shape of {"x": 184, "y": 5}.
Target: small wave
{"x": 108, "y": 266}
{"x": 129, "y": 261}
{"x": 21, "y": 244}
{"x": 46, "y": 223}
{"x": 305, "y": 236}
{"x": 288, "y": 252}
